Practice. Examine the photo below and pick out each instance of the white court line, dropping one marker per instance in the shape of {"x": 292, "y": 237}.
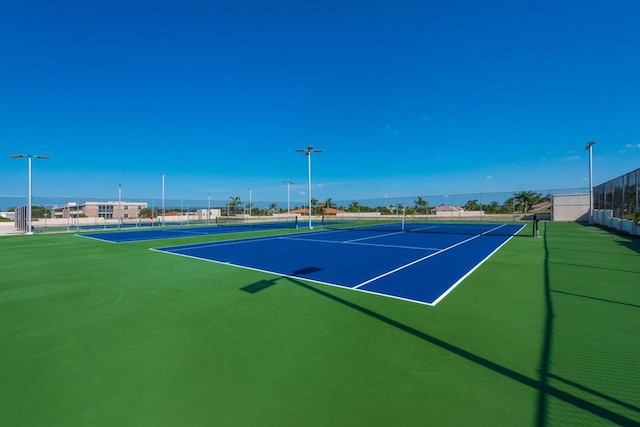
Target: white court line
{"x": 310, "y": 240}
{"x": 357, "y": 287}
{"x": 374, "y": 237}
{"x": 354, "y": 242}
{"x": 289, "y": 276}
{"x": 192, "y": 232}
{"x": 402, "y": 267}
{"x": 215, "y": 261}
{"x": 212, "y": 244}
{"x": 452, "y": 287}
{"x": 423, "y": 228}
{"x": 394, "y": 246}
{"x": 95, "y": 238}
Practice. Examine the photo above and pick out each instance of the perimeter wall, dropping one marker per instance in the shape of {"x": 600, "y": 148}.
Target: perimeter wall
{"x": 570, "y": 207}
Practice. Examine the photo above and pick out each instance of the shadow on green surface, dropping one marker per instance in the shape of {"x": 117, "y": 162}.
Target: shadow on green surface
{"x": 258, "y": 286}
{"x": 595, "y": 393}
{"x": 545, "y": 354}
{"x": 544, "y": 389}
{"x": 541, "y": 385}
{"x": 629, "y": 240}
{"x": 596, "y": 299}
{"x": 617, "y": 270}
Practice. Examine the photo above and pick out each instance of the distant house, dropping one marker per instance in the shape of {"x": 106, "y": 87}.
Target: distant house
{"x": 448, "y": 209}
{"x": 106, "y": 210}
{"x": 541, "y": 207}
{"x": 332, "y": 211}
{"x": 325, "y": 211}
{"x": 299, "y": 211}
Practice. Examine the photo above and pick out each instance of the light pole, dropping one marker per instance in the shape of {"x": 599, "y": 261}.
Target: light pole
{"x": 589, "y": 148}
{"x": 249, "y": 203}
{"x": 119, "y": 206}
{"x": 208, "y": 208}
{"x": 162, "y": 198}
{"x": 307, "y": 151}
{"x": 29, "y": 156}
{"x": 69, "y": 219}
{"x": 288, "y": 195}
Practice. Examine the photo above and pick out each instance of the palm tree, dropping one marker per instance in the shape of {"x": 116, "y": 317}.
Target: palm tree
{"x": 234, "y": 202}
{"x": 314, "y": 203}
{"x": 421, "y": 203}
{"x": 353, "y": 206}
{"x": 509, "y": 205}
{"x": 329, "y": 203}
{"x": 492, "y": 207}
{"x": 526, "y": 199}
{"x": 472, "y": 205}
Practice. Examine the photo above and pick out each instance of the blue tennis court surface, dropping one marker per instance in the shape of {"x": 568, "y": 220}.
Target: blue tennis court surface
{"x": 169, "y": 233}
{"x": 413, "y": 266}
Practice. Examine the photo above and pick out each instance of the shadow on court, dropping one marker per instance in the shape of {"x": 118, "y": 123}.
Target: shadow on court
{"x": 628, "y": 240}
{"x": 544, "y": 390}
{"x": 596, "y": 298}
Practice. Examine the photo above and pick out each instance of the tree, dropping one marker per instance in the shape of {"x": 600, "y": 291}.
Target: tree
{"x": 526, "y": 199}
{"x": 233, "y": 204}
{"x": 329, "y": 203}
{"x": 492, "y": 208}
{"x": 421, "y": 203}
{"x": 472, "y": 205}
{"x": 40, "y": 212}
{"x": 353, "y": 207}
{"x": 508, "y": 206}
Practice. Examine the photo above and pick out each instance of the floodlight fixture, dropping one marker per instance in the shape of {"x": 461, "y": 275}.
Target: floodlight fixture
{"x": 307, "y": 151}
{"x": 29, "y": 207}
{"x": 119, "y": 206}
{"x": 589, "y": 148}
{"x": 288, "y": 195}
{"x": 163, "y": 212}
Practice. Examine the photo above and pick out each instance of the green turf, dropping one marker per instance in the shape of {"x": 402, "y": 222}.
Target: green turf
{"x": 547, "y": 332}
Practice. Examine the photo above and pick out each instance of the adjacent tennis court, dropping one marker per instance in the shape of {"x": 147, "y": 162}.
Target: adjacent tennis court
{"x": 157, "y": 233}
{"x": 421, "y": 263}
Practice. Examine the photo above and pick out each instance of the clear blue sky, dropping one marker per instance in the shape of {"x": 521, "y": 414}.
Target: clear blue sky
{"x": 405, "y": 98}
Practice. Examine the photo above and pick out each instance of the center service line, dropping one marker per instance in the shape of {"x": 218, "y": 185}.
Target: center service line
{"x": 402, "y": 267}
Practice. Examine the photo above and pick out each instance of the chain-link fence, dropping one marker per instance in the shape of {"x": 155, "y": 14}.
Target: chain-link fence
{"x": 620, "y": 196}
{"x": 492, "y": 202}
{"x": 72, "y": 213}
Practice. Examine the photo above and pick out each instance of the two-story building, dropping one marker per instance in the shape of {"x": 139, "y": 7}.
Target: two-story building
{"x": 107, "y": 210}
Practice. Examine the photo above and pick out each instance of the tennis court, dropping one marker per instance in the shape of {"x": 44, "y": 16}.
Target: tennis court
{"x": 544, "y": 333}
{"x": 157, "y": 233}
{"x": 421, "y": 263}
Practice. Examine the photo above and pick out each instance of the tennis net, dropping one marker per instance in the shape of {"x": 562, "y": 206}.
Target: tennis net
{"x": 258, "y": 223}
{"x": 424, "y": 226}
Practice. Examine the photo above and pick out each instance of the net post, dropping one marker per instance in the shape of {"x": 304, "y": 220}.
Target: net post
{"x": 404, "y": 215}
